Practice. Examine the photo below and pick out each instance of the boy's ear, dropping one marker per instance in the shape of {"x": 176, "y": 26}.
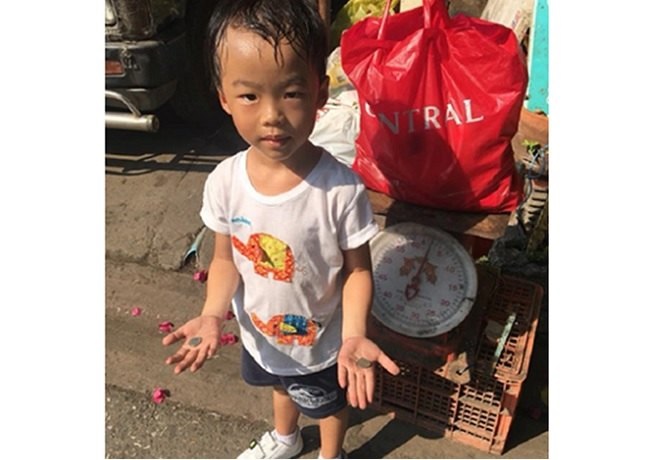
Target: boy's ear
{"x": 323, "y": 91}
{"x": 223, "y": 102}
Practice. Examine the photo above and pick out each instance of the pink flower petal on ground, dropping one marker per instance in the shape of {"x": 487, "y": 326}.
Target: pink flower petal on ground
{"x": 201, "y": 276}
{"x": 228, "y": 339}
{"x": 166, "y": 326}
{"x": 230, "y": 315}
{"x": 159, "y": 395}
{"x": 136, "y": 311}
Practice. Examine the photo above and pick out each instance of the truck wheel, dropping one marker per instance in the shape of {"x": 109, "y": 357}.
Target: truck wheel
{"x": 195, "y": 99}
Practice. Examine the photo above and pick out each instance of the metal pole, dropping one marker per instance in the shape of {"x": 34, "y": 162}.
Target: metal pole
{"x": 146, "y": 123}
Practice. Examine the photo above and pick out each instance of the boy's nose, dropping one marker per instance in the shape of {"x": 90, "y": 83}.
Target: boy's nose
{"x": 272, "y": 114}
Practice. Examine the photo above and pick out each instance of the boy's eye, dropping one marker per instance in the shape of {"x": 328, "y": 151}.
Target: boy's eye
{"x": 248, "y": 97}
{"x": 293, "y": 94}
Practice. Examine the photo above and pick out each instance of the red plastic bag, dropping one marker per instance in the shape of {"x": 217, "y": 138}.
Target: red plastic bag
{"x": 440, "y": 103}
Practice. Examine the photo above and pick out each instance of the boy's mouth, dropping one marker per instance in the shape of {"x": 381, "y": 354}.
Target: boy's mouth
{"x": 275, "y": 140}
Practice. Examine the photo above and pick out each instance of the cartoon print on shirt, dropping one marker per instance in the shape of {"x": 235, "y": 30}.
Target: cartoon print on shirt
{"x": 268, "y": 254}
{"x": 288, "y": 329}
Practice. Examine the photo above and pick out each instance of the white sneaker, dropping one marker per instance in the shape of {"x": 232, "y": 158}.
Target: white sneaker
{"x": 269, "y": 447}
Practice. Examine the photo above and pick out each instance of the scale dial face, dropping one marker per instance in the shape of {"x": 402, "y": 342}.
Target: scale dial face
{"x": 425, "y": 281}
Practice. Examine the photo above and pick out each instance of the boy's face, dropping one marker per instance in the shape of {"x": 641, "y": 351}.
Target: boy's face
{"x": 273, "y": 103}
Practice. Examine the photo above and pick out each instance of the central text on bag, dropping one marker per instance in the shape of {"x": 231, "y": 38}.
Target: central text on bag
{"x": 425, "y": 117}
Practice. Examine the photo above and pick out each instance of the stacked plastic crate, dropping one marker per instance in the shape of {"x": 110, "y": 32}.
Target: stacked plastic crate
{"x": 479, "y": 413}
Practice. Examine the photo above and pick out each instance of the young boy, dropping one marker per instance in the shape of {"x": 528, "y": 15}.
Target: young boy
{"x": 292, "y": 226}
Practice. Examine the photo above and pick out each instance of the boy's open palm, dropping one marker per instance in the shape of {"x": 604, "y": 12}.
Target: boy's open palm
{"x": 360, "y": 381}
{"x": 201, "y": 336}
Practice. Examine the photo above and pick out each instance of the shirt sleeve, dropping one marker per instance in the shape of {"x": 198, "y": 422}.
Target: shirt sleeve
{"x": 213, "y": 211}
{"x": 357, "y": 225}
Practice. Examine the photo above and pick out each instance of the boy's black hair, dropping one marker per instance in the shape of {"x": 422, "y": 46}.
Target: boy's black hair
{"x": 296, "y": 21}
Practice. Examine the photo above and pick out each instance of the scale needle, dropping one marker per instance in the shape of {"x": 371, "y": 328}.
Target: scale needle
{"x": 413, "y": 288}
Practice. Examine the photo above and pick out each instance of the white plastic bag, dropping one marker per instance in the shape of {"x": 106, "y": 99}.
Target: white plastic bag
{"x": 337, "y": 126}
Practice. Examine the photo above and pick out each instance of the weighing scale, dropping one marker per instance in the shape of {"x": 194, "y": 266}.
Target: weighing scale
{"x": 425, "y": 281}
{"x": 426, "y": 284}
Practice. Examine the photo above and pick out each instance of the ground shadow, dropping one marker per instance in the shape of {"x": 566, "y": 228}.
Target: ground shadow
{"x": 390, "y": 437}
{"x": 192, "y": 148}
{"x": 397, "y": 432}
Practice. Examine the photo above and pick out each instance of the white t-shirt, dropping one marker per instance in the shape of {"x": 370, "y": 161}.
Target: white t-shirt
{"x": 288, "y": 251}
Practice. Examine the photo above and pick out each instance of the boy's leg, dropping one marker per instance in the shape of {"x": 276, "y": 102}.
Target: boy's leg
{"x": 332, "y": 434}
{"x": 285, "y": 441}
{"x": 285, "y": 412}
{"x": 320, "y": 397}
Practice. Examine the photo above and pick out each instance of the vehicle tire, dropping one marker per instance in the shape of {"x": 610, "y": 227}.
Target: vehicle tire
{"x": 195, "y": 99}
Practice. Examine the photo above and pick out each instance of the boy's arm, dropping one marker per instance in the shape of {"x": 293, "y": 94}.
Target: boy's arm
{"x": 222, "y": 283}
{"x": 354, "y": 374}
{"x": 223, "y": 279}
{"x": 357, "y": 291}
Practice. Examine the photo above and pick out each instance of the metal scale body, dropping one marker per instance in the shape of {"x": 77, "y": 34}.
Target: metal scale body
{"x": 425, "y": 286}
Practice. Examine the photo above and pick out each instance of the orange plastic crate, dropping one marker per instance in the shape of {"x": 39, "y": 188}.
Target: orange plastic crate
{"x": 480, "y": 412}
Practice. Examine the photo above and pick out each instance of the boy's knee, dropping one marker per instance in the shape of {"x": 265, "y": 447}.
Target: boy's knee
{"x": 280, "y": 390}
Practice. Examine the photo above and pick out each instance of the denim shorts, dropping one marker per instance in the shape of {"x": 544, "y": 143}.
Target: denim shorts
{"x": 316, "y": 395}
